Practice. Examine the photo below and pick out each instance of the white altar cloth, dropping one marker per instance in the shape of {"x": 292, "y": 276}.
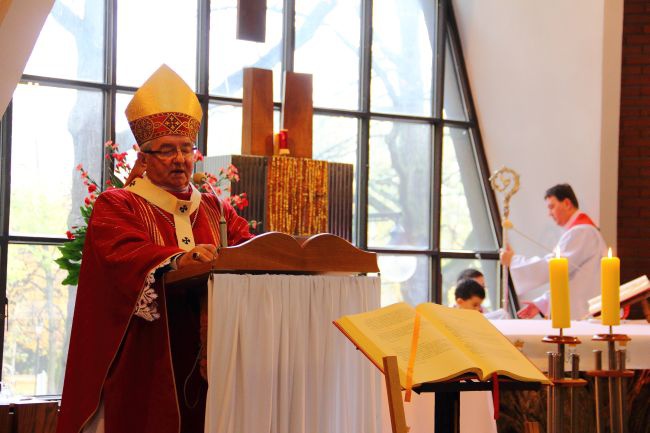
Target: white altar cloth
{"x": 277, "y": 364}
{"x": 531, "y": 332}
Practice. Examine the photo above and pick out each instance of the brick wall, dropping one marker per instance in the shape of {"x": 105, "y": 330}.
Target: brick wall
{"x": 634, "y": 151}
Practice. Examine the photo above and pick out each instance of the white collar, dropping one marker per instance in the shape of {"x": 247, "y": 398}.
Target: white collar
{"x": 180, "y": 209}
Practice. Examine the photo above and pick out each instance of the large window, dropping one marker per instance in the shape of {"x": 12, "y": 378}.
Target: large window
{"x": 390, "y": 96}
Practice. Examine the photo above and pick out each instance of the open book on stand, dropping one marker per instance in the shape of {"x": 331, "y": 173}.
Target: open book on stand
{"x": 452, "y": 343}
{"x": 630, "y": 292}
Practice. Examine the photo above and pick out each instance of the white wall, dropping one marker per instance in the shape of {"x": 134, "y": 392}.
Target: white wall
{"x": 19, "y": 30}
{"x": 545, "y": 76}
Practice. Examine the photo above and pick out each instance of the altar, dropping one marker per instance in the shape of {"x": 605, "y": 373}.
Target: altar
{"x": 527, "y": 335}
{"x": 519, "y": 406}
{"x": 531, "y": 406}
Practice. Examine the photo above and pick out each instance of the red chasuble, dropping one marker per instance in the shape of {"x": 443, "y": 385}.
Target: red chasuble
{"x": 133, "y": 345}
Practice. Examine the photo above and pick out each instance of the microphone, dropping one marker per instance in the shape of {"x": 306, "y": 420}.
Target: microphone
{"x": 200, "y": 177}
{"x": 203, "y": 179}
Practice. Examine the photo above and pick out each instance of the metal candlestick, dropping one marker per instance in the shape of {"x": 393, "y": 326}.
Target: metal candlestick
{"x": 556, "y": 393}
{"x": 616, "y": 375}
{"x": 598, "y": 363}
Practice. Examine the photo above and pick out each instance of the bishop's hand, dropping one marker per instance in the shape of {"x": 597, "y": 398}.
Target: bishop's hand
{"x": 202, "y": 253}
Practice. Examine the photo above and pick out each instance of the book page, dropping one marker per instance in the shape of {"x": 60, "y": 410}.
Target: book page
{"x": 389, "y": 330}
{"x": 482, "y": 342}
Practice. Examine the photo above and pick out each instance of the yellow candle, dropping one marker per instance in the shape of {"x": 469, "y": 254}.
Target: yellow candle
{"x": 558, "y": 268}
{"x": 610, "y": 282}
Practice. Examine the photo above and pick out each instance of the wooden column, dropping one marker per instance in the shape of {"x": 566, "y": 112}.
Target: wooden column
{"x": 297, "y": 113}
{"x": 257, "y": 116}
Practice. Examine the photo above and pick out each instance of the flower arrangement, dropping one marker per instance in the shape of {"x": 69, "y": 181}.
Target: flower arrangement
{"x": 71, "y": 251}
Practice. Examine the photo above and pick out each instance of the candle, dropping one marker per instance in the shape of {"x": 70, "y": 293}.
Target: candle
{"x": 610, "y": 282}
{"x": 558, "y": 268}
{"x": 283, "y": 144}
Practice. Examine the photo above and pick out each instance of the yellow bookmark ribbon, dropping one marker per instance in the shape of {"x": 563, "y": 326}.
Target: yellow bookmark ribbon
{"x": 414, "y": 346}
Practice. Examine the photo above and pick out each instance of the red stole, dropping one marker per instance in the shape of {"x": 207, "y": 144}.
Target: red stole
{"x": 582, "y": 219}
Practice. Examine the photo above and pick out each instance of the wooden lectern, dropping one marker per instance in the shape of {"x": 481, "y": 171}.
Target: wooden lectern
{"x": 275, "y": 252}
{"x": 273, "y": 357}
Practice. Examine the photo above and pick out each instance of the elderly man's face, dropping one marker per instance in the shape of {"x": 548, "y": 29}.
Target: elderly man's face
{"x": 169, "y": 161}
{"x": 560, "y": 211}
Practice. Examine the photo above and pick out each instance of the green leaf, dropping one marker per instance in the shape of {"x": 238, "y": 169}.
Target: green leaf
{"x": 63, "y": 263}
{"x": 70, "y": 280}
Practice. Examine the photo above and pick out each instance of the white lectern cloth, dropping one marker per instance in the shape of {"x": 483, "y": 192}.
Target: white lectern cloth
{"x": 277, "y": 364}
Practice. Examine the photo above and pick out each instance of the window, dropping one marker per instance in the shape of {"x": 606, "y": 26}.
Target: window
{"x": 390, "y": 97}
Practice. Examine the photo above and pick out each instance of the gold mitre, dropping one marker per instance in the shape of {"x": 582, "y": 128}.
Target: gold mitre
{"x": 164, "y": 105}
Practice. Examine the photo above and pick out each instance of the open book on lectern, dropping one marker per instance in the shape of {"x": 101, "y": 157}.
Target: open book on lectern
{"x": 451, "y": 343}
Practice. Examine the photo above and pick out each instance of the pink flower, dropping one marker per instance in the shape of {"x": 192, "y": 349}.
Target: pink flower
{"x": 92, "y": 187}
{"x": 79, "y": 167}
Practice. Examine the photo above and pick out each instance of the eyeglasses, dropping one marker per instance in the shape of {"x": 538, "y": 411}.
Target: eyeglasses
{"x": 169, "y": 152}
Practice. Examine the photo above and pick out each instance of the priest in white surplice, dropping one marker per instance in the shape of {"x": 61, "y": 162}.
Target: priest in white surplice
{"x": 581, "y": 243}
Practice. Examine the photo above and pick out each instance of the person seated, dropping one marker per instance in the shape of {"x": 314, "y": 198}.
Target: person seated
{"x": 469, "y": 295}
{"x": 471, "y": 274}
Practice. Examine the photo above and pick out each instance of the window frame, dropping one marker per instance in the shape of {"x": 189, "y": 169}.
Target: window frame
{"x": 447, "y": 30}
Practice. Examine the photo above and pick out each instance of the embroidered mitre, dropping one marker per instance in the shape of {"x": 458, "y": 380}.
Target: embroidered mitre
{"x": 164, "y": 105}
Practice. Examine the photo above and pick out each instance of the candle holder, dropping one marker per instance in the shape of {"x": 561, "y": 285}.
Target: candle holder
{"x": 616, "y": 375}
{"x": 561, "y": 383}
